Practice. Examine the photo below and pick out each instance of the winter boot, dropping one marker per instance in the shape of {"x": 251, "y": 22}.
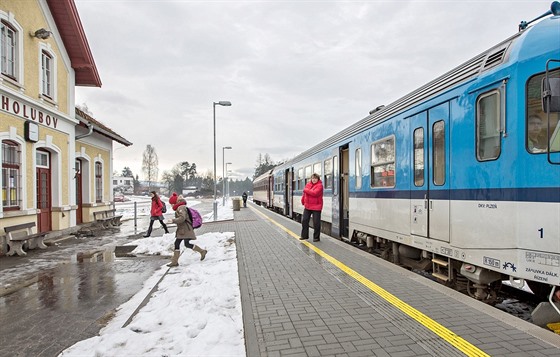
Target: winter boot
{"x": 174, "y": 259}
{"x": 202, "y": 252}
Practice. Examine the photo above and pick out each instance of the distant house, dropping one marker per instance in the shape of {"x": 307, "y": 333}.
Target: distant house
{"x": 123, "y": 184}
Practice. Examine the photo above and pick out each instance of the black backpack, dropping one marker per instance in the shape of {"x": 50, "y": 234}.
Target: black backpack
{"x": 163, "y": 207}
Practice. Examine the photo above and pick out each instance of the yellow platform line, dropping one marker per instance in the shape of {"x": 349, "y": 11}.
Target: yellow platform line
{"x": 452, "y": 338}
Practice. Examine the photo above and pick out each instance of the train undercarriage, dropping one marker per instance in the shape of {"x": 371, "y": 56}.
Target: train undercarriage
{"x": 479, "y": 283}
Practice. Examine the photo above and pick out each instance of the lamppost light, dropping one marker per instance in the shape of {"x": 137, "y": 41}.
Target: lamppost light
{"x": 224, "y": 103}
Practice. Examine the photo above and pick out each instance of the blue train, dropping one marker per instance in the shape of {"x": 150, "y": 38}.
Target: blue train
{"x": 460, "y": 178}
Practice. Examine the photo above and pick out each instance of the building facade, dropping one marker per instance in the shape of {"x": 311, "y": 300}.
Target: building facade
{"x": 56, "y": 159}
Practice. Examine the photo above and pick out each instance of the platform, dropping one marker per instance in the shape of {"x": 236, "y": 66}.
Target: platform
{"x": 328, "y": 298}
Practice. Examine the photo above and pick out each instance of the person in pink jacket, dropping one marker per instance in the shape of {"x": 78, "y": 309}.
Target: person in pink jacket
{"x": 155, "y": 213}
{"x": 312, "y": 200}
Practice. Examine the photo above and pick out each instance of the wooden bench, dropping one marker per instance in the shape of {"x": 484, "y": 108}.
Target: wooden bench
{"x": 107, "y": 218}
{"x": 22, "y": 233}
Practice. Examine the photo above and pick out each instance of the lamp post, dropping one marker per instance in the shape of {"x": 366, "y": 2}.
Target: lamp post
{"x": 224, "y": 173}
{"x": 225, "y": 104}
{"x": 227, "y": 177}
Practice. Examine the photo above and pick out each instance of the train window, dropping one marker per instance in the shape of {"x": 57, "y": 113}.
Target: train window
{"x": 383, "y": 163}
{"x": 301, "y": 179}
{"x": 358, "y": 168}
{"x": 317, "y": 169}
{"x": 307, "y": 174}
{"x": 335, "y": 174}
{"x": 419, "y": 157}
{"x": 540, "y": 125}
{"x": 438, "y": 152}
{"x": 328, "y": 174}
{"x": 488, "y": 143}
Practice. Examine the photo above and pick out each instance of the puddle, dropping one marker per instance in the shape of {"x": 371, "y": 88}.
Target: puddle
{"x": 70, "y": 302}
{"x": 108, "y": 255}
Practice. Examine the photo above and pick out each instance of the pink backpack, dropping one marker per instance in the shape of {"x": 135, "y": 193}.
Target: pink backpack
{"x": 195, "y": 217}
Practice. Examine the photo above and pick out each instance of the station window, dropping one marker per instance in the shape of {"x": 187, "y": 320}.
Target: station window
{"x": 42, "y": 159}
{"x": 11, "y": 176}
{"x": 540, "y": 125}
{"x": 98, "y": 182}
{"x": 9, "y": 50}
{"x": 383, "y": 163}
{"x": 488, "y": 143}
{"x": 419, "y": 157}
{"x": 328, "y": 174}
{"x": 358, "y": 163}
{"x": 47, "y": 74}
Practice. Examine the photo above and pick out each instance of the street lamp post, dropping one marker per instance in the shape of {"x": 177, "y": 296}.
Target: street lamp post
{"x": 224, "y": 173}
{"x": 225, "y": 104}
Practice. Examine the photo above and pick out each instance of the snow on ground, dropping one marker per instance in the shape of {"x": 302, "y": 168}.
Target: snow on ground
{"x": 195, "y": 311}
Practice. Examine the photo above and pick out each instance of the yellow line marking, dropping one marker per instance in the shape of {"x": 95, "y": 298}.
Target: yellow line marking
{"x": 440, "y": 330}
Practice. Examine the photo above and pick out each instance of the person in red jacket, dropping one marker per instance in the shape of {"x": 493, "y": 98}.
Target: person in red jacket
{"x": 312, "y": 200}
{"x": 155, "y": 213}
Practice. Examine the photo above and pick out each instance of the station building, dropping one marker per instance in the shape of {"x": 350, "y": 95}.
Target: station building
{"x": 56, "y": 159}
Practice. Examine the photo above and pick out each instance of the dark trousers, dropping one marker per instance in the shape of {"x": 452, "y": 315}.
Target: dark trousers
{"x": 316, "y": 223}
{"x": 152, "y": 224}
{"x": 187, "y": 244}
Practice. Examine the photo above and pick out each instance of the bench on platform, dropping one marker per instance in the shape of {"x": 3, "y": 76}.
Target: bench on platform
{"x": 107, "y": 218}
{"x": 20, "y": 234}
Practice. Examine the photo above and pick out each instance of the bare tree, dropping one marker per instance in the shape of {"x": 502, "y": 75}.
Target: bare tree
{"x": 150, "y": 165}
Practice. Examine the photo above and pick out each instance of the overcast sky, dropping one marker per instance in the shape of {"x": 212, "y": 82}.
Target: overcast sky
{"x": 296, "y": 72}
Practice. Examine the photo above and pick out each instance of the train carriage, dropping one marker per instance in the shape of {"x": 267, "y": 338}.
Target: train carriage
{"x": 262, "y": 193}
{"x": 460, "y": 177}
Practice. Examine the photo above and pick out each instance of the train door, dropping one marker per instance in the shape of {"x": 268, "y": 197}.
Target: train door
{"x": 419, "y": 192}
{"x": 270, "y": 190}
{"x": 335, "y": 226}
{"x": 43, "y": 172}
{"x": 343, "y": 190}
{"x": 288, "y": 193}
{"x": 430, "y": 195}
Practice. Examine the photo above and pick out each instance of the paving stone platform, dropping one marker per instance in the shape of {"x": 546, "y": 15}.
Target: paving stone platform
{"x": 328, "y": 298}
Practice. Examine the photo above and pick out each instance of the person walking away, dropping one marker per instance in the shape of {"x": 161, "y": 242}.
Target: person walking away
{"x": 244, "y": 196}
{"x": 312, "y": 200}
{"x": 185, "y": 230}
{"x": 155, "y": 213}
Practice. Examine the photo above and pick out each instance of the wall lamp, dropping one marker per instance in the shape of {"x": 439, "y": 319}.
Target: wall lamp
{"x": 41, "y": 34}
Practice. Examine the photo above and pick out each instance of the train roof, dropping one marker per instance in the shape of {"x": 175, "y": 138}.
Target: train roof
{"x": 263, "y": 176}
{"x": 469, "y": 70}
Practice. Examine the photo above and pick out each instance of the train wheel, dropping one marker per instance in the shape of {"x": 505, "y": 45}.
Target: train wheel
{"x": 486, "y": 293}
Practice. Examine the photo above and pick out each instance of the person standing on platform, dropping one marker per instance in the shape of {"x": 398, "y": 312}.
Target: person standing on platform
{"x": 244, "y": 196}
{"x": 155, "y": 213}
{"x": 185, "y": 230}
{"x": 312, "y": 200}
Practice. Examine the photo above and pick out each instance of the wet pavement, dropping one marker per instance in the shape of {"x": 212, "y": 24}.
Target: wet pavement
{"x": 53, "y": 298}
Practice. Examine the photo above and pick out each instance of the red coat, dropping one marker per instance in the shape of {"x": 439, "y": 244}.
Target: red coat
{"x": 312, "y": 197}
{"x": 157, "y": 206}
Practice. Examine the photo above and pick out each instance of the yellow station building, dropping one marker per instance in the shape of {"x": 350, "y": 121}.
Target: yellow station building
{"x": 56, "y": 159}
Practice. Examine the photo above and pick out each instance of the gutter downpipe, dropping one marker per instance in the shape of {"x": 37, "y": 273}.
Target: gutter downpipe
{"x": 90, "y": 127}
